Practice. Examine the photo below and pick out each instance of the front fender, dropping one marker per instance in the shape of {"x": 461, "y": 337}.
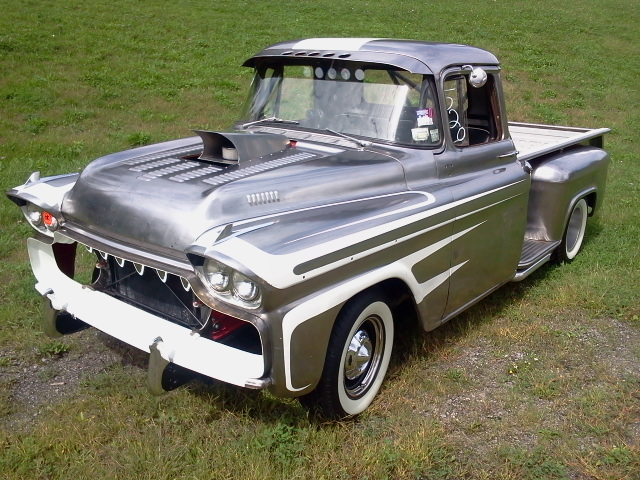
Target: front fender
{"x": 288, "y": 249}
{"x": 47, "y": 193}
{"x": 311, "y": 262}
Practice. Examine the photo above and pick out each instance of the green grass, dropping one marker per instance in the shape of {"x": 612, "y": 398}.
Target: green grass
{"x": 82, "y": 79}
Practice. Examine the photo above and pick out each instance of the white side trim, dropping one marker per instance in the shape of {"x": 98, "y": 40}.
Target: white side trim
{"x": 429, "y": 200}
{"x": 327, "y": 300}
{"x": 210, "y": 237}
{"x": 139, "y": 328}
{"x": 261, "y": 262}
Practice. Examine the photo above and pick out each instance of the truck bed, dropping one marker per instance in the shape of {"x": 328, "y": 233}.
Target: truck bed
{"x": 533, "y": 140}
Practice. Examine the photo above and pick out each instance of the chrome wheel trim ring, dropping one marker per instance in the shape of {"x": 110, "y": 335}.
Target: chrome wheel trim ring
{"x": 363, "y": 356}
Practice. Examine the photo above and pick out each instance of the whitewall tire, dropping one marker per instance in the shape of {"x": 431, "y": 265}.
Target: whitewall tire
{"x": 357, "y": 358}
{"x": 574, "y": 232}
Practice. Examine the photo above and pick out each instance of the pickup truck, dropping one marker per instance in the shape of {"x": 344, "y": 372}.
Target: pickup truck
{"x": 368, "y": 183}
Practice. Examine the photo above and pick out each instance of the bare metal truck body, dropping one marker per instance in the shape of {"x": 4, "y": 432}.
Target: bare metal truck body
{"x": 366, "y": 178}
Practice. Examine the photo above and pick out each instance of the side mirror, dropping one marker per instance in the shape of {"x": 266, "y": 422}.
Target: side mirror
{"x": 478, "y": 77}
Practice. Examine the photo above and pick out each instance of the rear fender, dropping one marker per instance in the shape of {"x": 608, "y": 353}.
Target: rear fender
{"x": 558, "y": 181}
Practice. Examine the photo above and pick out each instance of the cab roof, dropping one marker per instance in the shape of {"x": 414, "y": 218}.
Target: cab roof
{"x": 411, "y": 55}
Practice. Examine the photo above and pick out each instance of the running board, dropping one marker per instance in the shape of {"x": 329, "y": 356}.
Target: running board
{"x": 535, "y": 253}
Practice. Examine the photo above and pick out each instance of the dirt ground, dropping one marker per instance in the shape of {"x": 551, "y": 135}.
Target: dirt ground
{"x": 44, "y": 380}
{"x": 32, "y": 386}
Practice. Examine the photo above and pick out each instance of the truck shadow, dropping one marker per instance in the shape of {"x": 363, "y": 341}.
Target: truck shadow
{"x": 416, "y": 342}
{"x": 221, "y": 397}
{"x": 412, "y": 343}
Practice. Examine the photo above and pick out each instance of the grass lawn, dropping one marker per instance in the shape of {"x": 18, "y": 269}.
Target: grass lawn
{"x": 539, "y": 381}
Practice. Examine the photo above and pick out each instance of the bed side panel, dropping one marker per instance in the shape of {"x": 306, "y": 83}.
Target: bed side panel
{"x": 557, "y": 182}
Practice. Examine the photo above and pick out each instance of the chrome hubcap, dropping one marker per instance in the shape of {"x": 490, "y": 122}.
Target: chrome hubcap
{"x": 363, "y": 356}
{"x": 358, "y": 355}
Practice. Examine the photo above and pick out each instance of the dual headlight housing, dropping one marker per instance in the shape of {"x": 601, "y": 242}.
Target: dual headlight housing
{"x": 40, "y": 219}
{"x": 229, "y": 285}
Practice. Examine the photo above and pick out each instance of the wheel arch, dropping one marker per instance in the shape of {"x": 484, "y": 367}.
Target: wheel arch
{"x": 397, "y": 294}
{"x": 368, "y": 316}
{"x": 305, "y": 350}
{"x": 592, "y": 202}
{"x": 401, "y": 301}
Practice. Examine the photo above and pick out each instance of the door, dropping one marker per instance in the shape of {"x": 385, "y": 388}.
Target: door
{"x": 489, "y": 187}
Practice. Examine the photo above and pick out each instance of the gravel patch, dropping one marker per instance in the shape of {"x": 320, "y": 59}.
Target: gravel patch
{"x": 31, "y": 385}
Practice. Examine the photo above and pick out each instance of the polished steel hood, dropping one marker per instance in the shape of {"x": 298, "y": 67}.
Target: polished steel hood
{"x": 167, "y": 195}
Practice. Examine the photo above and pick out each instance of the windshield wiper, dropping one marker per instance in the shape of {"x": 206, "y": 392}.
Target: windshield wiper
{"x": 270, "y": 119}
{"x": 362, "y": 143}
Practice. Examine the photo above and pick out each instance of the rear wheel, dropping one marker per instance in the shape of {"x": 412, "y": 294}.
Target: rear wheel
{"x": 357, "y": 358}
{"x": 574, "y": 233}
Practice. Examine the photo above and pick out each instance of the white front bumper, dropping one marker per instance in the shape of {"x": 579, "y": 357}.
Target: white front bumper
{"x": 139, "y": 328}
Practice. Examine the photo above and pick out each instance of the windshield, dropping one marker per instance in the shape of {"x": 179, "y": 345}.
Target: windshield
{"x": 381, "y": 104}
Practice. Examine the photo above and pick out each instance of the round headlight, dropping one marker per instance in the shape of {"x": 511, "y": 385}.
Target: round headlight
{"x": 244, "y": 288}
{"x": 217, "y": 275}
{"x": 34, "y": 214}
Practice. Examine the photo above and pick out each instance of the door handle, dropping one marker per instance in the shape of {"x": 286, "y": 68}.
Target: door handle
{"x": 510, "y": 154}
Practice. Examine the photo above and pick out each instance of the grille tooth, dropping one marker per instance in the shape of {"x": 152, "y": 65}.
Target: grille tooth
{"x": 162, "y": 275}
{"x": 146, "y": 287}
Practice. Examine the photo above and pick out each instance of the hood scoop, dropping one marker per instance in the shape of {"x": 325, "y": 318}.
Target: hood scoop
{"x": 233, "y": 148}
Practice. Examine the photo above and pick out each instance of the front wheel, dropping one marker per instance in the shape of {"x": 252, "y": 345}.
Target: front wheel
{"x": 357, "y": 358}
{"x": 574, "y": 233}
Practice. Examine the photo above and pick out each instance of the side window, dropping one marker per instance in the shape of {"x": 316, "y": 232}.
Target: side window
{"x": 455, "y": 93}
{"x": 472, "y": 111}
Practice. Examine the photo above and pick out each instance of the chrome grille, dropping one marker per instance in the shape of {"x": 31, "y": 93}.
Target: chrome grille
{"x": 157, "y": 291}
